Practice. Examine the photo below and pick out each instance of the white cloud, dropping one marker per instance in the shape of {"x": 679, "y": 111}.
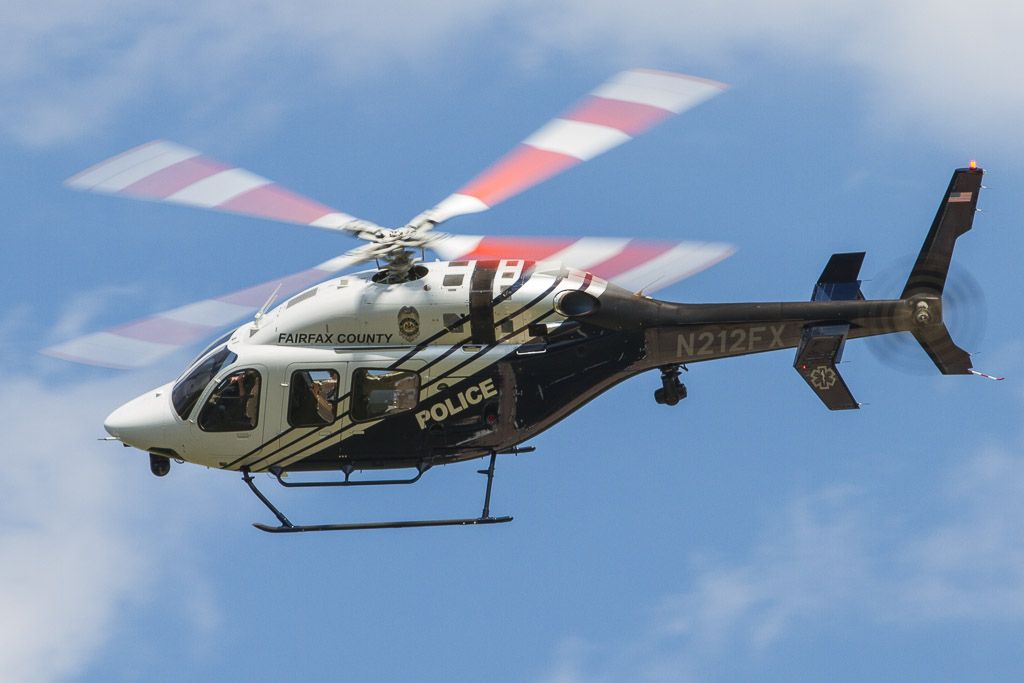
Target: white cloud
{"x": 83, "y": 307}
{"x": 814, "y": 557}
{"x": 67, "y": 68}
{"x": 13, "y": 323}
{"x": 80, "y": 544}
{"x": 942, "y": 64}
{"x": 569, "y": 661}
{"x": 972, "y": 566}
{"x": 831, "y": 556}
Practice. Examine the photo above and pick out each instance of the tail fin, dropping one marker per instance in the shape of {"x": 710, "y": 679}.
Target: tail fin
{"x": 954, "y": 217}
{"x": 928, "y": 278}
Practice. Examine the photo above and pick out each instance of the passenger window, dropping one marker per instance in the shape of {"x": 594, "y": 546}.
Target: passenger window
{"x": 452, "y": 322}
{"x": 379, "y": 393}
{"x": 312, "y": 398}
{"x": 234, "y": 406}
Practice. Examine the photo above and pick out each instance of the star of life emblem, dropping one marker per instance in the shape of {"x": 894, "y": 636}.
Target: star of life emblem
{"x": 823, "y": 378}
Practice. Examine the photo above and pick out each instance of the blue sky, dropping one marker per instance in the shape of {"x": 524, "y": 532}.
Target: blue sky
{"x": 746, "y": 534}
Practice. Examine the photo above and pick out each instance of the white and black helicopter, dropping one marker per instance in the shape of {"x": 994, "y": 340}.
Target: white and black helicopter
{"x": 417, "y": 363}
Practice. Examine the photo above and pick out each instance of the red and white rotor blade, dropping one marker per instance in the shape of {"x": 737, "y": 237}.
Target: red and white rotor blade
{"x": 633, "y": 264}
{"x": 168, "y": 172}
{"x": 629, "y": 104}
{"x": 145, "y": 341}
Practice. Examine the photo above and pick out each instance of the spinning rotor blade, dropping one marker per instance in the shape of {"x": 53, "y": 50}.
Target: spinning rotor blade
{"x": 964, "y": 311}
{"x": 629, "y": 104}
{"x": 145, "y": 341}
{"x": 167, "y": 172}
{"x": 633, "y": 264}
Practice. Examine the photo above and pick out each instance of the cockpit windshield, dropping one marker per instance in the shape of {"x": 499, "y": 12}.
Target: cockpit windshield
{"x": 188, "y": 389}
{"x": 220, "y": 340}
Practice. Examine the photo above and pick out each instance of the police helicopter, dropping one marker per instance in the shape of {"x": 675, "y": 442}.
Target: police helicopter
{"x": 414, "y": 363}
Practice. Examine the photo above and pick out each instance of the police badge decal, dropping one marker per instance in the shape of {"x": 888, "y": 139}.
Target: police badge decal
{"x": 408, "y": 323}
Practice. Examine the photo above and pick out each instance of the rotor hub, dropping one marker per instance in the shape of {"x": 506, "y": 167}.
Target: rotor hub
{"x": 923, "y": 313}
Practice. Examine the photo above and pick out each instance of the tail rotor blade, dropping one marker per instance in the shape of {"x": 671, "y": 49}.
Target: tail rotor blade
{"x": 963, "y": 310}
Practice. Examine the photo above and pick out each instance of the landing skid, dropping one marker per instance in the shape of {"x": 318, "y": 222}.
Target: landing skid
{"x": 286, "y": 526}
{"x": 290, "y": 529}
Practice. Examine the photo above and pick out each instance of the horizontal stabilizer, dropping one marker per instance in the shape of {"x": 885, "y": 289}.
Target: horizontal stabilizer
{"x": 821, "y": 347}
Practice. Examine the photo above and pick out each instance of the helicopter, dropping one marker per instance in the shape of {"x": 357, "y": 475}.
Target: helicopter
{"x": 414, "y": 363}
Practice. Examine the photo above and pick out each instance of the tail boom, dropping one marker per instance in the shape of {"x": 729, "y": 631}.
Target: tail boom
{"x": 677, "y": 333}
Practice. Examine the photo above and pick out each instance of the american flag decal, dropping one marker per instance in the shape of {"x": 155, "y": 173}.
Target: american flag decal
{"x": 960, "y": 197}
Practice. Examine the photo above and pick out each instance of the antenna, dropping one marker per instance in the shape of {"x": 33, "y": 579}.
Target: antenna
{"x": 259, "y": 313}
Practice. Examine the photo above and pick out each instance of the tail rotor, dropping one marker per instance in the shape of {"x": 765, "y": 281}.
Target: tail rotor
{"x": 964, "y": 310}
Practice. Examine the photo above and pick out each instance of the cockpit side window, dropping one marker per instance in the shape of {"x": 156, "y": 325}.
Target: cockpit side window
{"x": 312, "y": 398}
{"x": 188, "y": 389}
{"x": 380, "y": 393}
{"x": 234, "y": 406}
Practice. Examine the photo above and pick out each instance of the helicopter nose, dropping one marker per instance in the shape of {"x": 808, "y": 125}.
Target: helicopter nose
{"x": 143, "y": 422}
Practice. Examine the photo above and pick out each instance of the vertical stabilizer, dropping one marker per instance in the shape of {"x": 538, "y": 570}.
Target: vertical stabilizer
{"x": 954, "y": 217}
{"x": 928, "y": 278}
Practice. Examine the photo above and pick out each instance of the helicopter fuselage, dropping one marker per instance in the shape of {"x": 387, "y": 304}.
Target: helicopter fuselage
{"x": 436, "y": 369}
{"x": 469, "y": 358}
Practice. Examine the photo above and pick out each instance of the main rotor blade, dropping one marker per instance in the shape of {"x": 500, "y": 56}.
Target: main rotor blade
{"x": 168, "y": 172}
{"x": 145, "y": 341}
{"x": 629, "y": 104}
{"x": 633, "y": 264}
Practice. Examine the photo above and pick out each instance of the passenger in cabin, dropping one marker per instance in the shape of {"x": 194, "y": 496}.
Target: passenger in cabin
{"x": 312, "y": 398}
{"x": 234, "y": 405}
{"x": 246, "y": 411}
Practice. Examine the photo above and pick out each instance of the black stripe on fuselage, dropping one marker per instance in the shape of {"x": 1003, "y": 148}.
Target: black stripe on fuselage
{"x": 440, "y": 377}
{"x": 290, "y": 443}
{"x": 527, "y": 273}
{"x": 481, "y": 307}
{"x": 462, "y": 320}
{"x": 510, "y": 335}
{"x": 468, "y": 340}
